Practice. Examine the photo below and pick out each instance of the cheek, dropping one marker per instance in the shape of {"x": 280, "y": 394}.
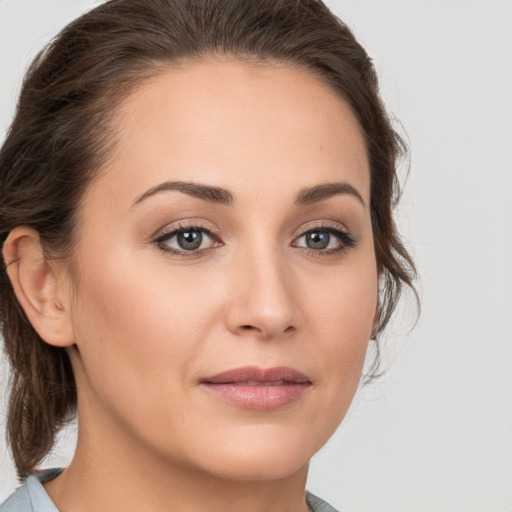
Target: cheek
{"x": 138, "y": 330}
{"x": 344, "y": 303}
{"x": 341, "y": 318}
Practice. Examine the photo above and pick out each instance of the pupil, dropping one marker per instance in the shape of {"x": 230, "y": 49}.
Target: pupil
{"x": 317, "y": 240}
{"x": 190, "y": 240}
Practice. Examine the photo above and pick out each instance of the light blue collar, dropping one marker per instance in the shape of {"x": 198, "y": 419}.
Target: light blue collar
{"x": 32, "y": 497}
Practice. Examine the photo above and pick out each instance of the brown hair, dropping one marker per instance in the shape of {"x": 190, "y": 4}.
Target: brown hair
{"x": 60, "y": 137}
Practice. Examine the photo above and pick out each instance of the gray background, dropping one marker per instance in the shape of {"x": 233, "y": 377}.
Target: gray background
{"x": 435, "y": 433}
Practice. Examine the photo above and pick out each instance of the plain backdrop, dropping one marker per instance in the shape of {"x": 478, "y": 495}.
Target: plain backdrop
{"x": 435, "y": 433}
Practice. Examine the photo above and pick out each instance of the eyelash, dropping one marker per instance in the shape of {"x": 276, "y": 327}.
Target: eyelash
{"x": 346, "y": 239}
{"x": 182, "y": 228}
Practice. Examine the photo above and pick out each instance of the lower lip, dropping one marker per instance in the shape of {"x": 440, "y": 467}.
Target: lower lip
{"x": 259, "y": 396}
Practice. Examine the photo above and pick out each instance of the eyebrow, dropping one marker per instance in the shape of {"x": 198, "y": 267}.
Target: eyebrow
{"x": 325, "y": 191}
{"x": 208, "y": 193}
{"x": 219, "y": 195}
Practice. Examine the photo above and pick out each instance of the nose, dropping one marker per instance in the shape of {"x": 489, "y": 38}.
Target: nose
{"x": 263, "y": 298}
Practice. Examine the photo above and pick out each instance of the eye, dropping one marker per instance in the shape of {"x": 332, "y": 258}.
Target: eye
{"x": 187, "y": 239}
{"x": 327, "y": 239}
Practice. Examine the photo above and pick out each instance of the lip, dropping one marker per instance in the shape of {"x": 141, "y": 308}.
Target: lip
{"x": 251, "y": 387}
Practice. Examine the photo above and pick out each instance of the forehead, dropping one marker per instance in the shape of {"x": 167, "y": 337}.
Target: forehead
{"x": 237, "y": 125}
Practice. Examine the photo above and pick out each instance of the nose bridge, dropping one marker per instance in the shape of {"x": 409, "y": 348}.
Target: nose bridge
{"x": 264, "y": 302}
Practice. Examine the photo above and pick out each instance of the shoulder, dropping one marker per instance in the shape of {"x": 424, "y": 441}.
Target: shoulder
{"x": 18, "y": 501}
{"x": 316, "y": 504}
{"x": 31, "y": 497}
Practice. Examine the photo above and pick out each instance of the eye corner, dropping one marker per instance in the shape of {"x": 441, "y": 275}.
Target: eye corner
{"x": 345, "y": 240}
{"x": 163, "y": 240}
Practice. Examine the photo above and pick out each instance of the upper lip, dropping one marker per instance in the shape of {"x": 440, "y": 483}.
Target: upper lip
{"x": 256, "y": 374}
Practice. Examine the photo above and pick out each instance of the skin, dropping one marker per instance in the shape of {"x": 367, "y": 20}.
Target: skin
{"x": 143, "y": 326}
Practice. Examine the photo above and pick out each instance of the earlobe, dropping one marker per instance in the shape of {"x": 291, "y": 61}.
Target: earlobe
{"x": 39, "y": 287}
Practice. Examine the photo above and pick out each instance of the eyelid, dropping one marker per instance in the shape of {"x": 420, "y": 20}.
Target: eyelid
{"x": 328, "y": 226}
{"x": 173, "y": 229}
{"x": 347, "y": 239}
{"x": 325, "y": 225}
{"x": 187, "y": 223}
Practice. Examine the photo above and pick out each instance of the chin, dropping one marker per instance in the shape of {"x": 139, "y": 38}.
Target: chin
{"x": 259, "y": 469}
{"x": 261, "y": 458}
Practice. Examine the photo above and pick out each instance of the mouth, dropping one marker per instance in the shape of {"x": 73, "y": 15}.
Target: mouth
{"x": 251, "y": 387}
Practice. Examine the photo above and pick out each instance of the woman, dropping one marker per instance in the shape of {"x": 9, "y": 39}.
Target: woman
{"x": 196, "y": 217}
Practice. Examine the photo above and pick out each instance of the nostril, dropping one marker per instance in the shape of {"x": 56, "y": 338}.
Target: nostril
{"x": 249, "y": 328}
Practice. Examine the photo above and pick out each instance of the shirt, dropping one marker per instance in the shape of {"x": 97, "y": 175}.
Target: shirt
{"x": 31, "y": 497}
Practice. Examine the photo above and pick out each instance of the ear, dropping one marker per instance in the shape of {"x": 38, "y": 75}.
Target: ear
{"x": 41, "y": 286}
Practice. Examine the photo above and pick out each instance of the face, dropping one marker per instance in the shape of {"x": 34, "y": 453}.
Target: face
{"x": 226, "y": 283}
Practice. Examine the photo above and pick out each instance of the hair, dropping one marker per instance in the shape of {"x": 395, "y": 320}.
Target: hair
{"x": 62, "y": 134}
